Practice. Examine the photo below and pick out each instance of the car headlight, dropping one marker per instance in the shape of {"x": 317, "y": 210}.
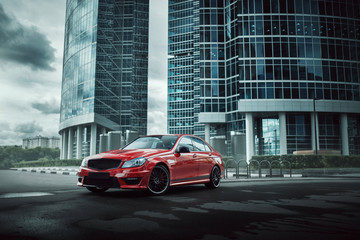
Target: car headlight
{"x": 84, "y": 163}
{"x": 136, "y": 162}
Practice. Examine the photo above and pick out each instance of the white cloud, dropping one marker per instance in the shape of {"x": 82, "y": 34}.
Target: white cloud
{"x": 24, "y": 45}
{"x": 30, "y": 84}
{"x": 32, "y": 97}
{"x": 157, "y": 110}
{"x": 157, "y": 122}
{"x": 11, "y": 134}
{"x": 28, "y": 128}
{"x": 157, "y": 90}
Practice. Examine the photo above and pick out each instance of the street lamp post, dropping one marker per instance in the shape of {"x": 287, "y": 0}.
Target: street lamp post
{"x": 315, "y": 123}
{"x": 275, "y": 142}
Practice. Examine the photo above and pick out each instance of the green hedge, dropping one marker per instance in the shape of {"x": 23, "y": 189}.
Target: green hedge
{"x": 315, "y": 161}
{"x": 48, "y": 163}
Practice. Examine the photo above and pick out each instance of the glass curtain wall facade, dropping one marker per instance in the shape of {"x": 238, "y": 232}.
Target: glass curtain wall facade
{"x": 183, "y": 77}
{"x": 104, "y": 86}
{"x": 284, "y": 72}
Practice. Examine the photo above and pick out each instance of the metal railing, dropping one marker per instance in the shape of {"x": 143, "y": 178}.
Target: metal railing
{"x": 270, "y": 164}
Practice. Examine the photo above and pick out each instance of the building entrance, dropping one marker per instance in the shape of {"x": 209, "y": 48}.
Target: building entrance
{"x": 267, "y": 137}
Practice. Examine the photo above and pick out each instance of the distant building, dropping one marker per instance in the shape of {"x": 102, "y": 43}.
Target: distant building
{"x": 39, "y": 141}
{"x": 105, "y": 73}
{"x": 284, "y": 73}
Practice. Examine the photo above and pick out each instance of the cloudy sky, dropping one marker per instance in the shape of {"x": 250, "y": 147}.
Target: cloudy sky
{"x": 31, "y": 53}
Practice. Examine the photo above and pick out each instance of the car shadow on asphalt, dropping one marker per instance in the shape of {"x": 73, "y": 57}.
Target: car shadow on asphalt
{"x": 173, "y": 191}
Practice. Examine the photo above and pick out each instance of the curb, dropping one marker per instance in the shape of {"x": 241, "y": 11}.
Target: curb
{"x": 72, "y": 171}
{"x": 331, "y": 176}
{"x": 294, "y": 179}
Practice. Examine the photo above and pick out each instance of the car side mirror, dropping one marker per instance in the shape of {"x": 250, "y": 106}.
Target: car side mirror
{"x": 184, "y": 149}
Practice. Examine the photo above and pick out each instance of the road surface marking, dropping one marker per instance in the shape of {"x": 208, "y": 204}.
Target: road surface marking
{"x": 26, "y": 194}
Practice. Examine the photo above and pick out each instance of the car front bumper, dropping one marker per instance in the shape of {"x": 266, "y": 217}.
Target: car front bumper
{"x": 130, "y": 178}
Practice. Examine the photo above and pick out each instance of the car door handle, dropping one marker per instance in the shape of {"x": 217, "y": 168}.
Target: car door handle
{"x": 194, "y": 156}
{"x": 210, "y": 154}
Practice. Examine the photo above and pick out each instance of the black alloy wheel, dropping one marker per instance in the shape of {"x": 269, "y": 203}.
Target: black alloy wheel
{"x": 159, "y": 180}
{"x": 215, "y": 177}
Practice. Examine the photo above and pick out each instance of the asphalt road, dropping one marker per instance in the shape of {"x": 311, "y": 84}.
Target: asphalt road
{"x": 46, "y": 206}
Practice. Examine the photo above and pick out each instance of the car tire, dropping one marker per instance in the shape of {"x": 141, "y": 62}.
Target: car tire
{"x": 159, "y": 180}
{"x": 96, "y": 189}
{"x": 215, "y": 177}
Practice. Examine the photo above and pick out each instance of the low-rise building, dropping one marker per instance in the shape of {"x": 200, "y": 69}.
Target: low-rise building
{"x": 39, "y": 141}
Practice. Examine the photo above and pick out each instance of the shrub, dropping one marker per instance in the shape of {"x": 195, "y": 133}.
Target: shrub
{"x": 315, "y": 161}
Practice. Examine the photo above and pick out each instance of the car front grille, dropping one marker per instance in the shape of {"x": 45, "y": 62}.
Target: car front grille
{"x": 104, "y": 164}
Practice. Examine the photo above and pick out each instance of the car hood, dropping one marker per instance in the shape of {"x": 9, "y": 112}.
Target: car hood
{"x": 129, "y": 154}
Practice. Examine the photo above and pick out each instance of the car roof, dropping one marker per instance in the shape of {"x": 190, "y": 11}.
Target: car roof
{"x": 179, "y": 135}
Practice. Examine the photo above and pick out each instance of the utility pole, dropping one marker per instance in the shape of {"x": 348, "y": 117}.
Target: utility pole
{"x": 315, "y": 123}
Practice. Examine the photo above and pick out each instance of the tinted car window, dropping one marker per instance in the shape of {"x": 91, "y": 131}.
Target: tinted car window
{"x": 169, "y": 141}
{"x": 186, "y": 142}
{"x": 207, "y": 148}
{"x": 199, "y": 145}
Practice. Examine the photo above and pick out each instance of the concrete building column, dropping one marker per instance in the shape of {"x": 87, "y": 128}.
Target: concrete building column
{"x": 344, "y": 134}
{"x": 60, "y": 146}
{"x": 103, "y": 144}
{"x": 62, "y": 143}
{"x": 315, "y": 132}
{"x": 207, "y": 132}
{"x": 65, "y": 143}
{"x": 78, "y": 142}
{"x": 70, "y": 143}
{"x": 103, "y": 140}
{"x": 282, "y": 129}
{"x": 93, "y": 139}
{"x": 250, "y": 138}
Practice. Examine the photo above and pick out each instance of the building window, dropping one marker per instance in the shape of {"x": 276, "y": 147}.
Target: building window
{"x": 298, "y": 129}
{"x": 329, "y": 133}
{"x": 354, "y": 134}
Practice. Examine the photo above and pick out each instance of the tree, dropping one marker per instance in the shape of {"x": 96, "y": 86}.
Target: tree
{"x": 15, "y": 154}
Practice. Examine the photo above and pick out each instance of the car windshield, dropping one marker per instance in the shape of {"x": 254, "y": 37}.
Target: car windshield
{"x": 153, "y": 142}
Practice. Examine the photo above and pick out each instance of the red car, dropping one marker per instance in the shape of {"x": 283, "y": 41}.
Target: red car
{"x": 153, "y": 163}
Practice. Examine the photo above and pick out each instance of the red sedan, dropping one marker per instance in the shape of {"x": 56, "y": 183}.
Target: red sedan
{"x": 153, "y": 163}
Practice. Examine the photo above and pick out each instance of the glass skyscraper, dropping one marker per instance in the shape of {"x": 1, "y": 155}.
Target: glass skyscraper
{"x": 105, "y": 69}
{"x": 286, "y": 73}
